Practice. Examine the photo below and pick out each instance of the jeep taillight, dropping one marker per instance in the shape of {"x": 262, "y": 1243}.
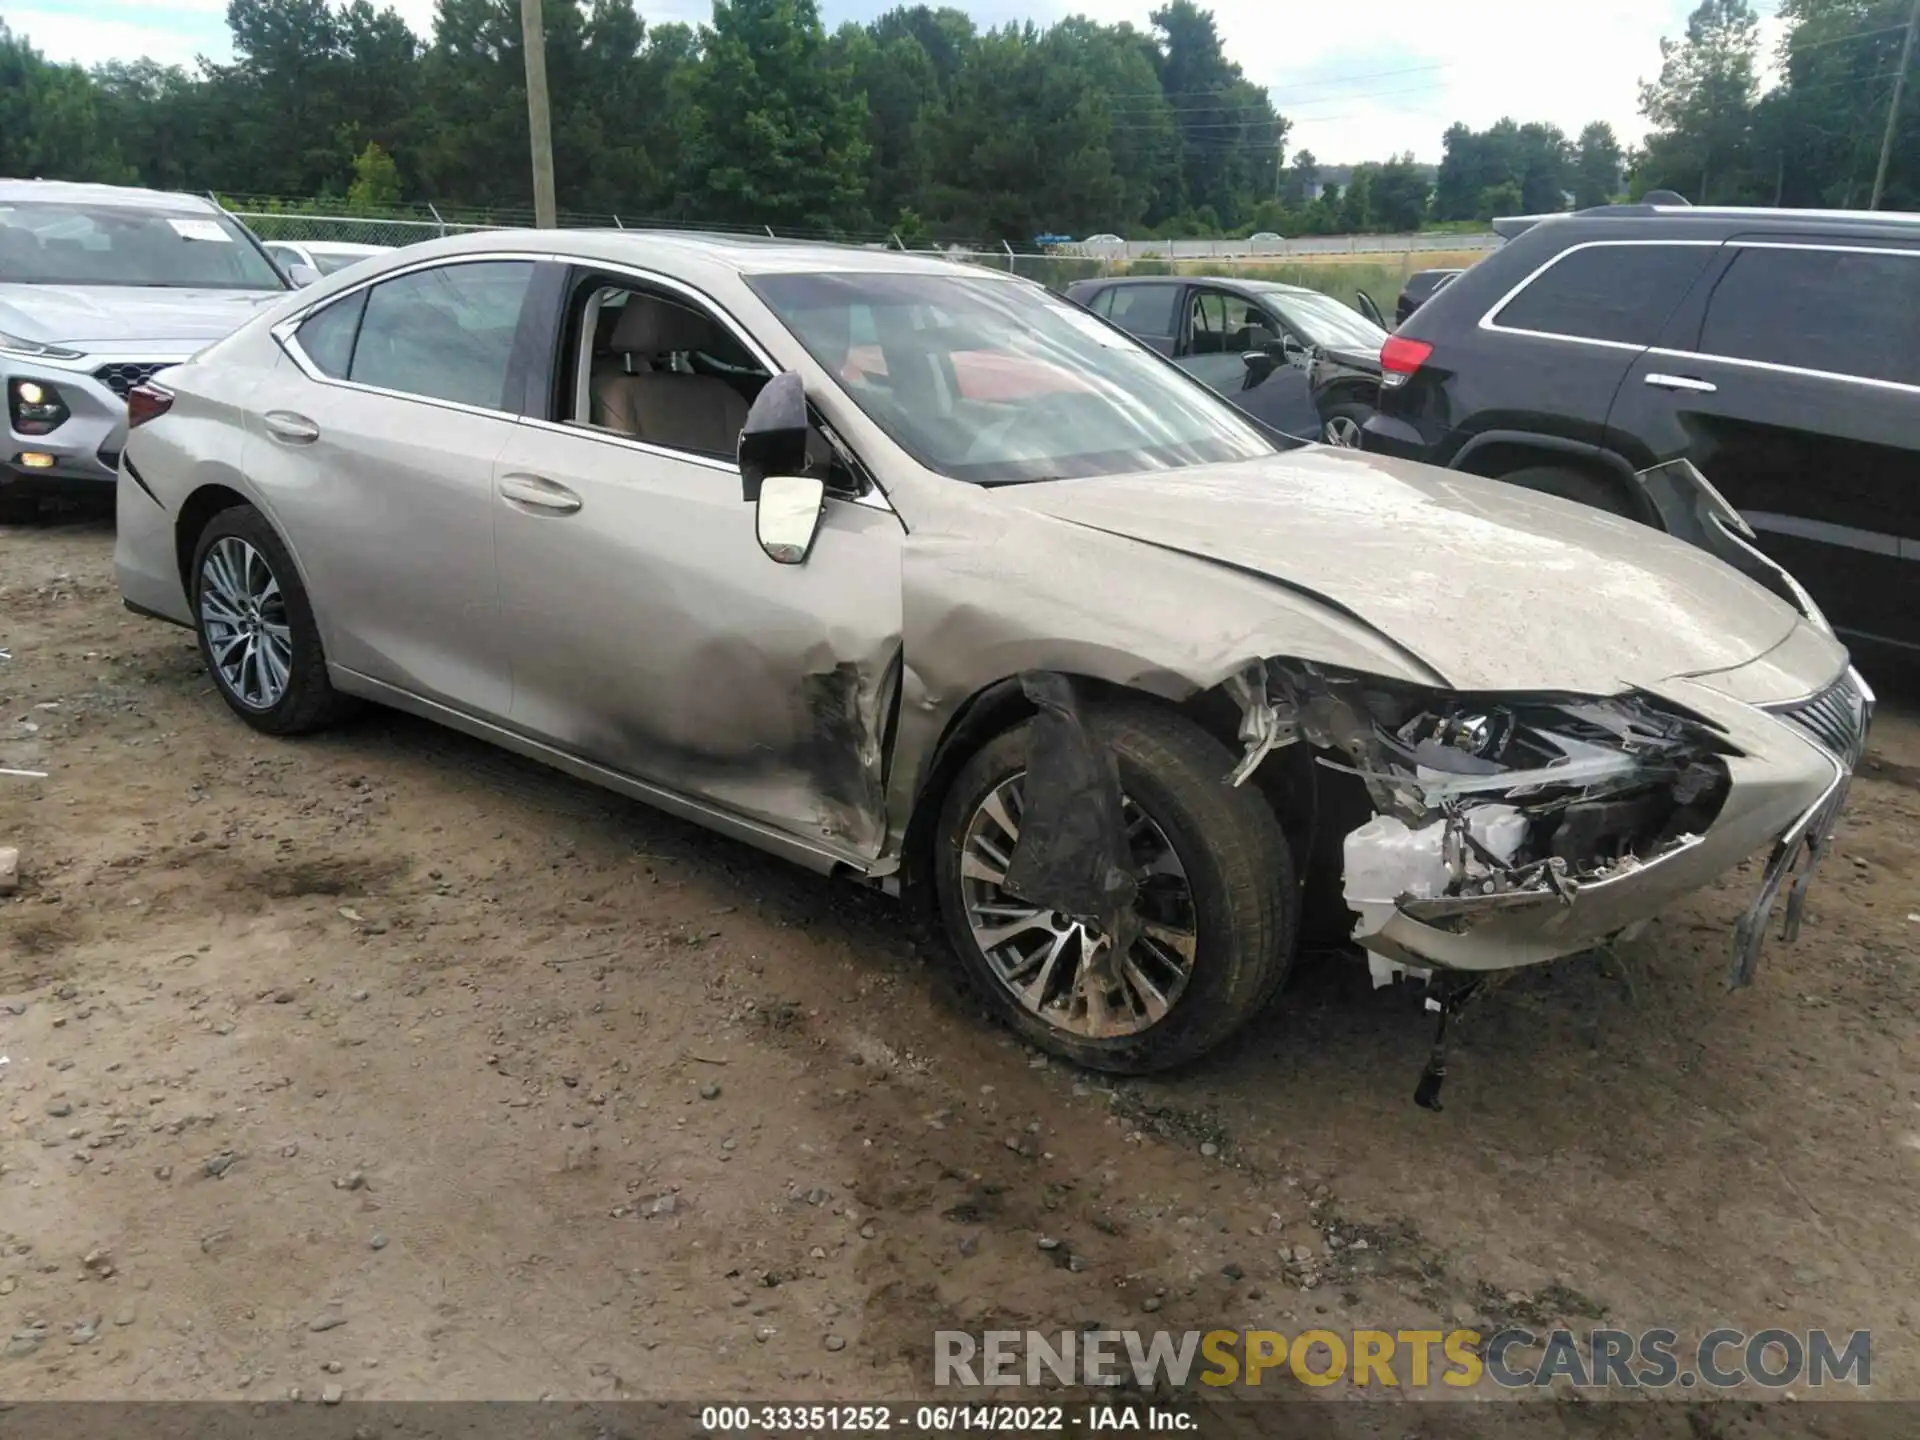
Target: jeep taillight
{"x": 1400, "y": 357}
{"x": 147, "y": 402}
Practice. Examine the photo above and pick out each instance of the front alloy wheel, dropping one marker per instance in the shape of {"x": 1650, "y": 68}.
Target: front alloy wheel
{"x": 1056, "y": 966}
{"x": 1215, "y": 900}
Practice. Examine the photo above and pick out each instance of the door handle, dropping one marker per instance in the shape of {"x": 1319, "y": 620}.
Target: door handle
{"x": 291, "y": 429}
{"x": 1683, "y": 382}
{"x": 539, "y": 493}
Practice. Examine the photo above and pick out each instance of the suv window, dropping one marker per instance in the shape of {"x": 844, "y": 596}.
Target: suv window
{"x": 326, "y": 336}
{"x": 1143, "y": 309}
{"x": 1850, "y": 312}
{"x": 445, "y": 333}
{"x": 1616, "y": 292}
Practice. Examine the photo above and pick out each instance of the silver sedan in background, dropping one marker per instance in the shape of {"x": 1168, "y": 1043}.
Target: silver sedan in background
{"x": 916, "y": 573}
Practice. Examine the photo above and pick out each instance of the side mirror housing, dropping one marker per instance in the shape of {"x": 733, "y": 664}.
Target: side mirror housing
{"x": 1260, "y": 364}
{"x": 303, "y": 275}
{"x": 774, "y": 439}
{"x": 787, "y": 516}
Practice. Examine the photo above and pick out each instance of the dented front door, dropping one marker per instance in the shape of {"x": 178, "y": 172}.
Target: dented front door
{"x": 649, "y": 632}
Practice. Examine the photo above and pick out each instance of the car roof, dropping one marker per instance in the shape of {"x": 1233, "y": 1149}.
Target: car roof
{"x": 335, "y": 247}
{"x": 127, "y": 196}
{"x": 1225, "y": 282}
{"x": 696, "y": 254}
{"x": 1719, "y": 221}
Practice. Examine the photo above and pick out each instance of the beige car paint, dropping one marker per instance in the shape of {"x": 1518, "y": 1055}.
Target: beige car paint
{"x": 646, "y": 642}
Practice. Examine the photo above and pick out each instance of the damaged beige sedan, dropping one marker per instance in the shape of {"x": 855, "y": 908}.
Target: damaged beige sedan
{"x": 918, "y": 574}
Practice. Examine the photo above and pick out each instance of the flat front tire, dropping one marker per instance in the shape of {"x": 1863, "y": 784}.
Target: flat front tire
{"x": 1217, "y": 902}
{"x": 256, "y": 627}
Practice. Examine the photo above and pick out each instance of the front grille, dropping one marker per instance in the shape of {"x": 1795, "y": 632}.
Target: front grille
{"x": 1835, "y": 719}
{"x": 122, "y": 378}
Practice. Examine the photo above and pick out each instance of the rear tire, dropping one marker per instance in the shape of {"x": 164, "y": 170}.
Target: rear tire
{"x": 257, "y": 633}
{"x": 1342, "y": 424}
{"x": 1236, "y": 866}
{"x": 1571, "y": 484}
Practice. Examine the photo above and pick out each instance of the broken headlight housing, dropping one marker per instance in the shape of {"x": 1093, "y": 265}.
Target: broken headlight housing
{"x": 1491, "y": 795}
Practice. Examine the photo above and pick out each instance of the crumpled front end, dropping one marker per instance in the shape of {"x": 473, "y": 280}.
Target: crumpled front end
{"x": 1513, "y": 829}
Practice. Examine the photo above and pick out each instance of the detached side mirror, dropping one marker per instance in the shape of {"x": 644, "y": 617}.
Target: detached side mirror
{"x": 1260, "y": 364}
{"x": 774, "y": 439}
{"x": 303, "y": 275}
{"x": 787, "y": 516}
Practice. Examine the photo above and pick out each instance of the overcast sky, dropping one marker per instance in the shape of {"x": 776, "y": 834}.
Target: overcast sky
{"x": 1360, "y": 81}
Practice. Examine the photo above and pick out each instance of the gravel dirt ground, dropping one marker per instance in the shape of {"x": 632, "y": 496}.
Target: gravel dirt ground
{"x": 382, "y": 1065}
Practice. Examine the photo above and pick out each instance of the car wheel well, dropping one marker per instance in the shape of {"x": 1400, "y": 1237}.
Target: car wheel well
{"x": 205, "y": 503}
{"x": 1285, "y": 780}
{"x": 1497, "y": 461}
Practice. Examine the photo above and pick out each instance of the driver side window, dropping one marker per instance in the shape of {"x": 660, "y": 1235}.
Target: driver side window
{"x": 662, "y": 369}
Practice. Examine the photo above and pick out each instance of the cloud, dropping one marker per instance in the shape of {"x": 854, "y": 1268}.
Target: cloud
{"x": 173, "y": 32}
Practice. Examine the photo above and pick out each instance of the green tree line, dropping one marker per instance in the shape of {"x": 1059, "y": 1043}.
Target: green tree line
{"x": 918, "y": 122}
{"x": 1812, "y": 139}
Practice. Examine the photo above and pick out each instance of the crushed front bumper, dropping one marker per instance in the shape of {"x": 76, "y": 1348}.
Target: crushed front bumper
{"x": 1789, "y": 787}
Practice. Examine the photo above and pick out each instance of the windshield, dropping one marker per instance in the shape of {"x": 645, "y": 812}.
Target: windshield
{"x": 48, "y": 243}
{"x": 1325, "y": 321}
{"x": 994, "y": 381}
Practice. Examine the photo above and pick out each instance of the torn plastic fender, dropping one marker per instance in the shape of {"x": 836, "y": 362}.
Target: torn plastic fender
{"x": 1072, "y": 854}
{"x": 981, "y": 610}
{"x": 1691, "y": 509}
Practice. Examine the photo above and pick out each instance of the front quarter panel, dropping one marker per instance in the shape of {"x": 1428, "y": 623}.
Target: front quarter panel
{"x": 999, "y": 594}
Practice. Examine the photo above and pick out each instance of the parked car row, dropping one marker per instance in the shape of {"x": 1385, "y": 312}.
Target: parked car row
{"x": 1293, "y": 358}
{"x": 917, "y": 573}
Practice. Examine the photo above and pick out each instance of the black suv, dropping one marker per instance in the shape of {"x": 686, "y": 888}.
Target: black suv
{"x": 1777, "y": 350}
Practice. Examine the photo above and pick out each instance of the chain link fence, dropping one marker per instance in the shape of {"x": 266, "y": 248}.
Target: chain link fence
{"x": 1375, "y": 264}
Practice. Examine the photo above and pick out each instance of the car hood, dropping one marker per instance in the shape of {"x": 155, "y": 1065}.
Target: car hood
{"x": 1494, "y": 587}
{"x": 78, "y": 315}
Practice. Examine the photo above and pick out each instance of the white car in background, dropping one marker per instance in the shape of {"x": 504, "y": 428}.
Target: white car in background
{"x": 323, "y": 257}
{"x": 101, "y": 288}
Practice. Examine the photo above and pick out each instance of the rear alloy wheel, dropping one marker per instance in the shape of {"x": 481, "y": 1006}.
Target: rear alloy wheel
{"x": 257, "y": 632}
{"x": 1342, "y": 427}
{"x": 1216, "y": 902}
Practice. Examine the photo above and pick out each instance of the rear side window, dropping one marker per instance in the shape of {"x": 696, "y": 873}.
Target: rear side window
{"x": 1621, "y": 293}
{"x": 1102, "y": 302}
{"x": 445, "y": 333}
{"x": 1144, "y": 309}
{"x": 1850, "y": 312}
{"x": 326, "y": 337}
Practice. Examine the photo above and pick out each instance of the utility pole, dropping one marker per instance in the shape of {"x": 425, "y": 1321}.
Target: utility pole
{"x": 539, "y": 114}
{"x": 1893, "y": 108}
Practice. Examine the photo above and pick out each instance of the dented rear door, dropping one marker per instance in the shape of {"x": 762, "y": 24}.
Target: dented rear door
{"x": 651, "y": 634}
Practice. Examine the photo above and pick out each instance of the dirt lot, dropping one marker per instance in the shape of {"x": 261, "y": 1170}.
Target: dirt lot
{"x": 387, "y": 1063}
